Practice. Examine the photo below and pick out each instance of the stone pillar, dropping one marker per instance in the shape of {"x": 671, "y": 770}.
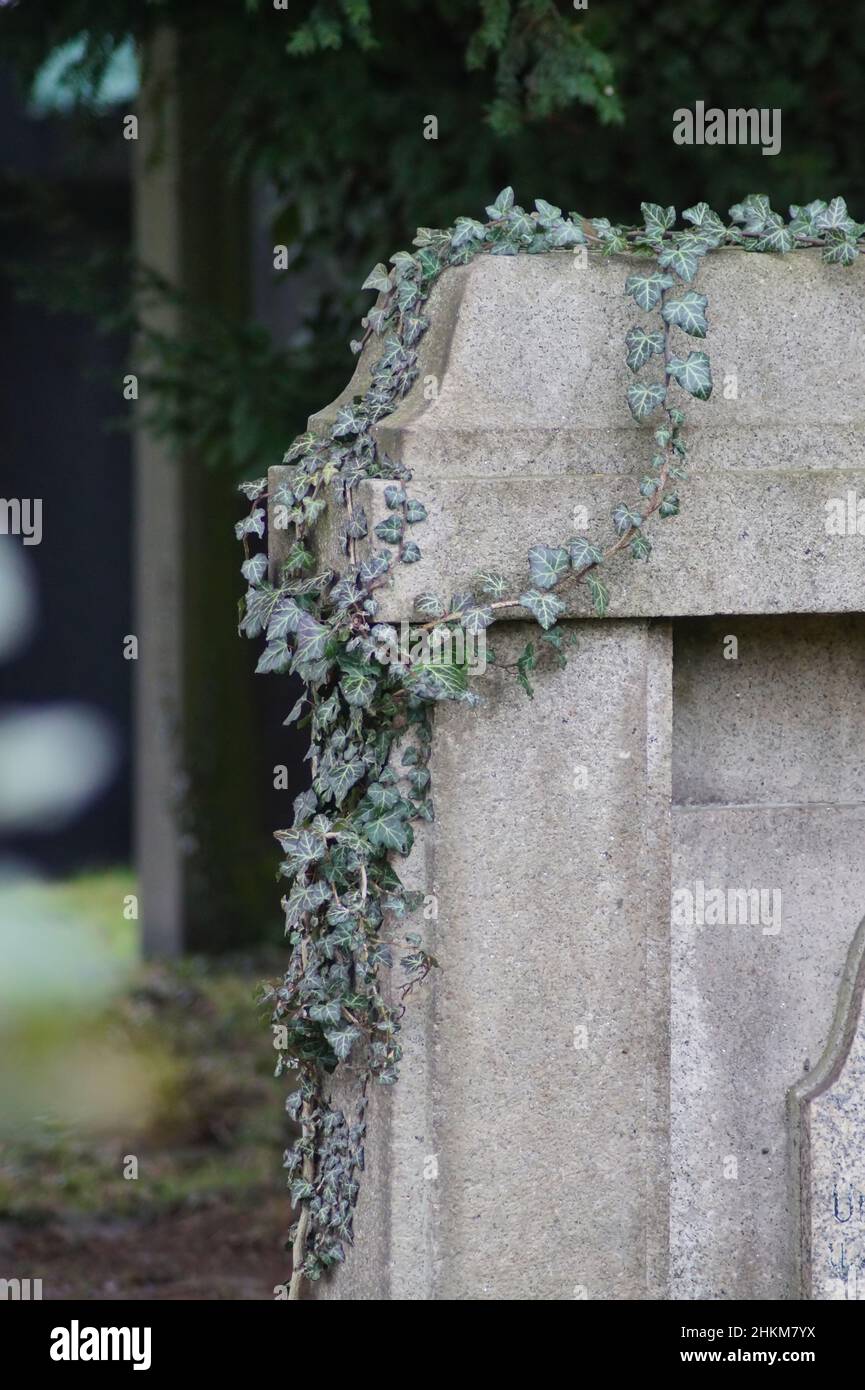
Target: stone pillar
{"x": 539, "y": 1063}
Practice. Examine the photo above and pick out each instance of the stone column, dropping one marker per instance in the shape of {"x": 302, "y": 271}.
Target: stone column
{"x": 538, "y": 1062}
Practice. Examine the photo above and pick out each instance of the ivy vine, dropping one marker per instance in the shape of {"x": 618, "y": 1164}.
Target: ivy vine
{"x": 369, "y": 714}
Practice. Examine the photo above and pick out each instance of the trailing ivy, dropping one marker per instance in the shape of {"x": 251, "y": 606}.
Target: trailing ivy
{"x": 368, "y": 704}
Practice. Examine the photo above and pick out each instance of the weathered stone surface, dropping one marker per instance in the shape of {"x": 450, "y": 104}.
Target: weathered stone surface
{"x": 530, "y": 423}
{"x": 828, "y": 1123}
{"x": 768, "y": 795}
{"x": 549, "y": 1145}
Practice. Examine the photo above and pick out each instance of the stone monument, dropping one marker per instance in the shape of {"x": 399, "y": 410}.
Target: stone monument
{"x": 648, "y": 879}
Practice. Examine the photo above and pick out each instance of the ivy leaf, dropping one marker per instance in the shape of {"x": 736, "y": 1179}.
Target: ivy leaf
{"x": 312, "y": 638}
{"x": 284, "y": 618}
{"x": 647, "y": 288}
{"x": 349, "y": 420}
{"x": 836, "y": 216}
{"x": 683, "y": 257}
{"x": 640, "y": 547}
{"x": 778, "y": 237}
{"x": 391, "y": 529}
{"x": 547, "y": 564}
{"x": 342, "y": 1040}
{"x": 301, "y": 846}
{"x": 394, "y": 496}
{"x": 410, "y": 553}
{"x": 543, "y": 606}
{"x": 670, "y": 505}
{"x": 389, "y": 829}
{"x": 693, "y": 373}
{"x": 430, "y": 605}
{"x": 331, "y": 1012}
{"x": 583, "y": 553}
{"x": 305, "y": 897}
{"x": 643, "y": 398}
{"x": 600, "y": 593}
{"x": 342, "y": 777}
{"x": 502, "y": 205}
{"x": 378, "y": 279}
{"x": 254, "y": 569}
{"x": 657, "y": 219}
{"x": 477, "y": 619}
{"x": 491, "y": 583}
{"x": 373, "y": 569}
{"x": 625, "y": 519}
{"x": 688, "y": 312}
{"x": 438, "y": 680}
{"x": 641, "y": 346}
{"x": 275, "y": 658}
{"x": 840, "y": 250}
{"x": 358, "y": 685}
{"x": 415, "y": 511}
{"x": 525, "y": 664}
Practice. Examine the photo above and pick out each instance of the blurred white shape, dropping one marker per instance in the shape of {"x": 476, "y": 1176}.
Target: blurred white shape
{"x": 53, "y": 761}
{"x": 17, "y": 597}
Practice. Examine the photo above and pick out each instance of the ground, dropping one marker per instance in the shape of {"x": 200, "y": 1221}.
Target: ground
{"x": 171, "y": 1070}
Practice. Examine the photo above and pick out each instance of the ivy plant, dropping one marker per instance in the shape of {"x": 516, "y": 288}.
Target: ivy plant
{"x": 369, "y": 714}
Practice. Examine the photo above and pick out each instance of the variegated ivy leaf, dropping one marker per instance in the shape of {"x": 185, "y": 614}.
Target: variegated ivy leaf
{"x": 599, "y": 592}
{"x": 547, "y": 213}
{"x": 688, "y": 312}
{"x": 520, "y": 224}
{"x": 489, "y": 583}
{"x": 304, "y": 897}
{"x": 583, "y": 553}
{"x": 275, "y": 658}
{"x": 391, "y": 529}
{"x": 670, "y": 505}
{"x": 438, "y": 680}
{"x": 547, "y": 564}
{"x": 410, "y": 553}
{"x": 302, "y": 846}
{"x": 647, "y": 287}
{"x": 544, "y": 607}
{"x": 349, "y": 420}
{"x": 641, "y": 346}
{"x": 430, "y": 605}
{"x": 312, "y": 638}
{"x": 836, "y": 217}
{"x": 300, "y": 445}
{"x": 358, "y": 685}
{"x": 331, "y": 1012}
{"x": 502, "y": 205}
{"x": 752, "y": 212}
{"x": 777, "y": 236}
{"x": 649, "y": 485}
{"x": 284, "y": 618}
{"x": 254, "y": 569}
{"x": 644, "y": 397}
{"x": 683, "y": 257}
{"x": 657, "y": 219}
{"x": 467, "y": 230}
{"x": 355, "y": 524}
{"x": 342, "y": 1040}
{"x": 254, "y": 489}
{"x": 693, "y": 373}
{"x": 342, "y": 777}
{"x": 252, "y": 525}
{"x": 564, "y": 233}
{"x": 394, "y": 496}
{"x": 640, "y": 547}
{"x": 304, "y": 806}
{"x": 462, "y": 602}
{"x": 702, "y": 216}
{"x": 295, "y": 712}
{"x": 389, "y": 829}
{"x": 477, "y": 619}
{"x": 625, "y": 518}
{"x": 373, "y": 569}
{"x": 378, "y": 279}
{"x": 415, "y": 511}
{"x": 840, "y": 250}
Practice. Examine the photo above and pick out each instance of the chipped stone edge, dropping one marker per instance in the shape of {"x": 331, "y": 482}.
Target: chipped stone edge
{"x": 800, "y": 1096}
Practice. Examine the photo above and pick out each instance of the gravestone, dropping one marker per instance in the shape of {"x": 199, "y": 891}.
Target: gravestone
{"x": 648, "y": 879}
